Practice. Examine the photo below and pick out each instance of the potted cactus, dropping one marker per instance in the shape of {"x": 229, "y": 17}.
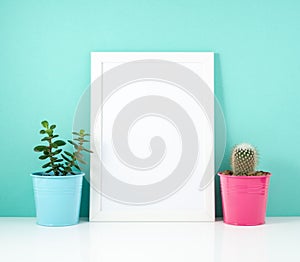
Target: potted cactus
{"x": 57, "y": 190}
{"x": 244, "y": 190}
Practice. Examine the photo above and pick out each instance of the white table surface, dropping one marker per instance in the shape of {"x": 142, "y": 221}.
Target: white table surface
{"x": 22, "y": 240}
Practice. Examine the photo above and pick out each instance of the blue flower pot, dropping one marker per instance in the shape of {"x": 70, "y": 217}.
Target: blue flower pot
{"x": 57, "y": 198}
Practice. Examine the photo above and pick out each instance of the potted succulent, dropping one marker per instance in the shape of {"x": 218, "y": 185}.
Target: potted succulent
{"x": 244, "y": 190}
{"x": 57, "y": 191}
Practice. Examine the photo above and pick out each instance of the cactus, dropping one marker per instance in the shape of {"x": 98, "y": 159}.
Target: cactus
{"x": 244, "y": 159}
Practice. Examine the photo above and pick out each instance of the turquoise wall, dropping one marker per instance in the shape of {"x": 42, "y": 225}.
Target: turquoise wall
{"x": 44, "y": 68}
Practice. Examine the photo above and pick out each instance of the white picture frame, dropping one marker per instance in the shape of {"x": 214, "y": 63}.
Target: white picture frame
{"x": 120, "y": 80}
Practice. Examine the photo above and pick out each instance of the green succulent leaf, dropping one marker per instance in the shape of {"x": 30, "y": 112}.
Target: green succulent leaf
{"x": 46, "y": 152}
{"x": 72, "y": 143}
{"x": 60, "y": 142}
{"x": 52, "y": 127}
{"x": 42, "y": 132}
{"x": 49, "y": 132}
{"x": 77, "y": 167}
{"x": 68, "y": 153}
{"x": 46, "y": 165}
{"x": 43, "y": 157}
{"x": 46, "y": 139}
{"x": 40, "y": 148}
{"x": 45, "y": 124}
{"x": 65, "y": 158}
{"x": 56, "y": 152}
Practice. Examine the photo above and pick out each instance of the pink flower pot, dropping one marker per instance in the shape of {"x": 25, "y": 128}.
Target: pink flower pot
{"x": 244, "y": 199}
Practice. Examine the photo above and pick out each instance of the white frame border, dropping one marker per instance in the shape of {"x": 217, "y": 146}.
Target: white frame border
{"x": 96, "y": 214}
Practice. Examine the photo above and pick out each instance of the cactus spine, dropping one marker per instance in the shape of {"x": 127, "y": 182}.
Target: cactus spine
{"x": 244, "y": 159}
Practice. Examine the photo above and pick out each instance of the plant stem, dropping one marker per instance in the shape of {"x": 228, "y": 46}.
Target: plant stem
{"x": 54, "y": 168}
{"x": 72, "y": 162}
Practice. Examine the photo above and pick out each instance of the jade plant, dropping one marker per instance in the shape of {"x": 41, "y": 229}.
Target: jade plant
{"x": 244, "y": 159}
{"x": 61, "y": 162}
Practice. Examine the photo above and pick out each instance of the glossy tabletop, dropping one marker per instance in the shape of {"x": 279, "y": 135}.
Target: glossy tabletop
{"x": 22, "y": 240}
